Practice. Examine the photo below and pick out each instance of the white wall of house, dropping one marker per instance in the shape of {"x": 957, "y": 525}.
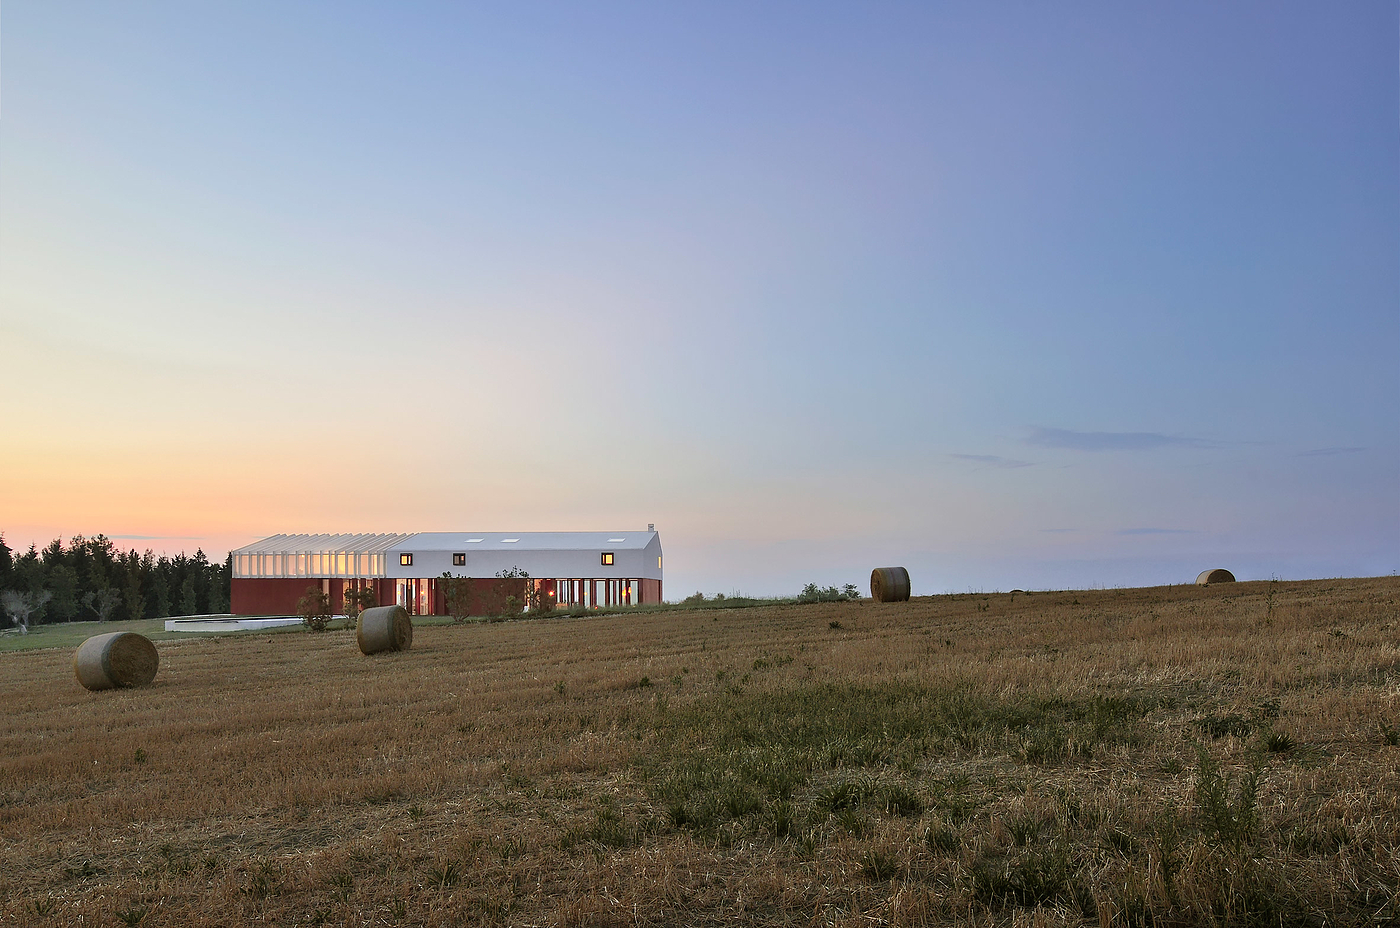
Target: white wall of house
{"x": 544, "y": 555}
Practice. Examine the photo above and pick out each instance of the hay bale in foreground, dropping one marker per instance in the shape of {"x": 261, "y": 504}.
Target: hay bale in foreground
{"x": 889, "y": 585}
{"x": 384, "y": 628}
{"x": 117, "y": 659}
{"x": 1218, "y": 575}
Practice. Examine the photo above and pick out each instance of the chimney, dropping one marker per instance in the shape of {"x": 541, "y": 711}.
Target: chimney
{"x": 651, "y": 526}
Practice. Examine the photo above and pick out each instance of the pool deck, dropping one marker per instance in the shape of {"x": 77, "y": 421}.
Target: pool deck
{"x": 230, "y": 623}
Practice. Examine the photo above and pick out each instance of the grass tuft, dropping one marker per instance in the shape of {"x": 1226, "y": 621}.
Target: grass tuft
{"x": 879, "y": 865}
{"x": 1228, "y": 814}
{"x": 942, "y": 840}
{"x": 1033, "y": 877}
{"x": 133, "y": 916}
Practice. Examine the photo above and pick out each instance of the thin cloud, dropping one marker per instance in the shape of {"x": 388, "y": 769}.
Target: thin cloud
{"x": 1324, "y": 452}
{"x": 992, "y": 460}
{"x": 1110, "y": 441}
{"x": 1157, "y": 531}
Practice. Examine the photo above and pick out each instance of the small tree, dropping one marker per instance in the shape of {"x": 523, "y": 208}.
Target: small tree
{"x": 507, "y": 586}
{"x": 314, "y": 607}
{"x": 103, "y": 602}
{"x": 458, "y": 592}
{"x": 357, "y": 601}
{"x": 811, "y": 593}
{"x": 21, "y": 606}
{"x": 16, "y": 605}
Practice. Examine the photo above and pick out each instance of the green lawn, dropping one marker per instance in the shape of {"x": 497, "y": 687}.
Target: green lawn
{"x": 72, "y": 634}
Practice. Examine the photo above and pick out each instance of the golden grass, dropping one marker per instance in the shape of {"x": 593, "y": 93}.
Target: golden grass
{"x": 592, "y": 771}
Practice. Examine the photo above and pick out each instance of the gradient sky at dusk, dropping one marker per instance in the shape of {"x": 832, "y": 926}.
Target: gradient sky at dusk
{"x": 1015, "y": 295}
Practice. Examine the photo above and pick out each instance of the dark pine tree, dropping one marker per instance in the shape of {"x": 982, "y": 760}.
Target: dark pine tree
{"x": 199, "y": 573}
{"x": 189, "y": 603}
{"x": 97, "y": 566}
{"x": 61, "y": 580}
{"x": 226, "y": 584}
{"x": 158, "y": 596}
{"x": 133, "y": 592}
{"x": 28, "y": 577}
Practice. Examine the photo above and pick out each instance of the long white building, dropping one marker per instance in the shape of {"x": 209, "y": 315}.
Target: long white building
{"x": 569, "y": 568}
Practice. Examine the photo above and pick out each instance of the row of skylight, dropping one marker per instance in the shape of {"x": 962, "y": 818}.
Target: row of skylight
{"x": 511, "y": 541}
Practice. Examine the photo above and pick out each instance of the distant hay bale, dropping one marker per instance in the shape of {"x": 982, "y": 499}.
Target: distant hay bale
{"x": 117, "y": 659}
{"x": 1218, "y": 575}
{"x": 889, "y": 585}
{"x": 384, "y": 628}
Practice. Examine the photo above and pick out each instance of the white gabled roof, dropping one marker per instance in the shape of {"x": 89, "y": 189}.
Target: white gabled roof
{"x": 524, "y": 541}
{"x": 322, "y": 544}
{"x": 430, "y": 554}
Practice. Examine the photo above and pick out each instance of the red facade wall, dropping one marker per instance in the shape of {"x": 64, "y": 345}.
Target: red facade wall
{"x": 488, "y": 595}
{"x": 268, "y": 596}
{"x": 279, "y": 596}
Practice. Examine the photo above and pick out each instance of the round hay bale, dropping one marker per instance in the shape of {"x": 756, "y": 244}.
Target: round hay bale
{"x": 1218, "y": 575}
{"x": 889, "y": 585}
{"x": 117, "y": 659}
{"x": 384, "y": 628}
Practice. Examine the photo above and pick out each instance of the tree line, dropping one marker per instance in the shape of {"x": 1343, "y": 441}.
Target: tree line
{"x": 91, "y": 579}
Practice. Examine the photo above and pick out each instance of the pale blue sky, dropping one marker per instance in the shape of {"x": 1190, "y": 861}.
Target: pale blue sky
{"x": 1015, "y": 295}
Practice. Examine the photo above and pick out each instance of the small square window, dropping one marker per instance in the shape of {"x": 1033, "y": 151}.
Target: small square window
{"x": 459, "y": 560}
{"x": 405, "y": 560}
{"x": 607, "y": 558}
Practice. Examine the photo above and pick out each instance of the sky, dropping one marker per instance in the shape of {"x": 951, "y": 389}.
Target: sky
{"x": 1037, "y": 296}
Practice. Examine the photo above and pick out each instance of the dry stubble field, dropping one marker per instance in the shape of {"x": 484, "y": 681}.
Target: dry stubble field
{"x": 1179, "y": 755}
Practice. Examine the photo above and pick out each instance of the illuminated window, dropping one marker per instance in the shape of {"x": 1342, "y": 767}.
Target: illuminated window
{"x": 658, "y": 562}
{"x": 607, "y": 558}
{"x": 405, "y": 560}
{"x": 459, "y": 560}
